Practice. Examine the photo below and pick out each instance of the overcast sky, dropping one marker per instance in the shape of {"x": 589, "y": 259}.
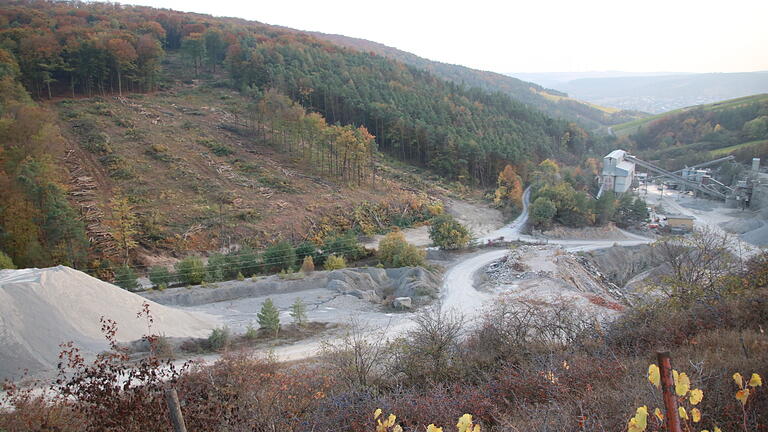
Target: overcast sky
{"x": 533, "y": 35}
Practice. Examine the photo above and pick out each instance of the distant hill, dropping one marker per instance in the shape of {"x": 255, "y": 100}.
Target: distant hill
{"x": 552, "y": 102}
{"x": 657, "y": 94}
{"x": 695, "y": 134}
{"x": 554, "y": 80}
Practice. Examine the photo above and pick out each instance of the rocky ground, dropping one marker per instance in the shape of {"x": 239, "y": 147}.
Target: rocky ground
{"x": 338, "y": 296}
{"x": 549, "y": 274}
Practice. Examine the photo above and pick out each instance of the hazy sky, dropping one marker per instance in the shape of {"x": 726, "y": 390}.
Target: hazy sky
{"x": 533, "y": 35}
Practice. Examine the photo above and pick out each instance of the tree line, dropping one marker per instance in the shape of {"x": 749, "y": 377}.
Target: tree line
{"x": 38, "y": 226}
{"x": 343, "y": 152}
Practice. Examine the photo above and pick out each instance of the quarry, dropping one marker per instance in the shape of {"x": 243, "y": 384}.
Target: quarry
{"x": 599, "y": 271}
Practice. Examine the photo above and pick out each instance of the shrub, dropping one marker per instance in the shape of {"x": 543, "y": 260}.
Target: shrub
{"x": 308, "y": 266}
{"x": 447, "y": 233}
{"x": 269, "y": 317}
{"x": 250, "y": 332}
{"x": 242, "y": 261}
{"x": 159, "y": 275}
{"x": 299, "y": 312}
{"x": 240, "y": 276}
{"x": 394, "y": 251}
{"x": 191, "y": 271}
{"x": 217, "y": 148}
{"x": 217, "y": 269}
{"x": 335, "y": 263}
{"x": 280, "y": 256}
{"x": 162, "y": 347}
{"x": 304, "y": 250}
{"x": 6, "y": 262}
{"x": 343, "y": 245}
{"x": 543, "y": 210}
{"x": 219, "y": 338}
{"x": 125, "y": 278}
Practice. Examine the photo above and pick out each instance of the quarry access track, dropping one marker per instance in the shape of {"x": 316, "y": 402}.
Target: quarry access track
{"x": 458, "y": 293}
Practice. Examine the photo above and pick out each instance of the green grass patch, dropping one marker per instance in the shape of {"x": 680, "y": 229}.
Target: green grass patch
{"x": 727, "y": 150}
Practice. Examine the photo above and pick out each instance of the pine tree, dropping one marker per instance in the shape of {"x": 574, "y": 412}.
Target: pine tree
{"x": 299, "y": 312}
{"x": 269, "y": 317}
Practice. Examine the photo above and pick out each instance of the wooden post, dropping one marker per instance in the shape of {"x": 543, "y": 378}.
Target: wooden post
{"x": 174, "y": 410}
{"x": 668, "y": 390}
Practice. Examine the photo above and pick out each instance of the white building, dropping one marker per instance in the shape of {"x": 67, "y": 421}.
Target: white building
{"x": 617, "y": 173}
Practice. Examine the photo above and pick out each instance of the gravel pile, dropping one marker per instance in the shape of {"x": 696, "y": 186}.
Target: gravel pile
{"x": 42, "y": 308}
{"x": 511, "y": 269}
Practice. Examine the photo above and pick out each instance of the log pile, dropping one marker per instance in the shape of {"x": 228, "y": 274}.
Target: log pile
{"x": 82, "y": 190}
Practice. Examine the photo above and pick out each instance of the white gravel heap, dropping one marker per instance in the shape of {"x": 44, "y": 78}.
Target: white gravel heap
{"x": 42, "y": 308}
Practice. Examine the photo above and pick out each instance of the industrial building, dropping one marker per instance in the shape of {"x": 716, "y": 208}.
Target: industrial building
{"x": 617, "y": 174}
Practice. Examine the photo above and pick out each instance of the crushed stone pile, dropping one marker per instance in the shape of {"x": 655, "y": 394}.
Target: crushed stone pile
{"x": 571, "y": 270}
{"x": 43, "y": 308}
{"x": 511, "y": 268}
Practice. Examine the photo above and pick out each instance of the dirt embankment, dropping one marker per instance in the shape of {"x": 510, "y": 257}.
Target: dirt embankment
{"x": 623, "y": 263}
{"x": 479, "y": 218}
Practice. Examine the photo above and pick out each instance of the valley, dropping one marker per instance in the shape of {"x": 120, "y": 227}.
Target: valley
{"x": 212, "y": 223}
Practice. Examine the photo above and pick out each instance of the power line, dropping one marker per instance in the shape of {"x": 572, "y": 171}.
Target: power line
{"x": 255, "y": 254}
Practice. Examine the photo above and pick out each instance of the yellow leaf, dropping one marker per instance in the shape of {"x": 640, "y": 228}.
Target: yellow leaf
{"x": 742, "y": 396}
{"x": 397, "y": 429}
{"x": 695, "y": 415}
{"x": 704, "y": 430}
{"x": 653, "y": 375}
{"x": 682, "y": 384}
{"x": 755, "y": 380}
{"x": 683, "y": 413}
{"x": 376, "y": 413}
{"x": 639, "y": 422}
{"x": 717, "y": 429}
{"x": 433, "y": 428}
{"x": 464, "y": 423}
{"x": 476, "y": 429}
{"x": 391, "y": 420}
{"x": 658, "y": 414}
{"x": 696, "y": 396}
{"x": 738, "y": 380}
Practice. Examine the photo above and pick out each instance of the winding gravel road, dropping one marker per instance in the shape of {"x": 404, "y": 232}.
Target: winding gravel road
{"x": 458, "y": 292}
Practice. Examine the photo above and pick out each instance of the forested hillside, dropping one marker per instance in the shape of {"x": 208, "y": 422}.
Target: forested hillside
{"x": 86, "y": 49}
{"x": 691, "y": 135}
{"x": 552, "y": 102}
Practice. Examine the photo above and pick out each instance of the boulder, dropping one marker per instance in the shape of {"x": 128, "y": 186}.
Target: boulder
{"x": 402, "y": 303}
